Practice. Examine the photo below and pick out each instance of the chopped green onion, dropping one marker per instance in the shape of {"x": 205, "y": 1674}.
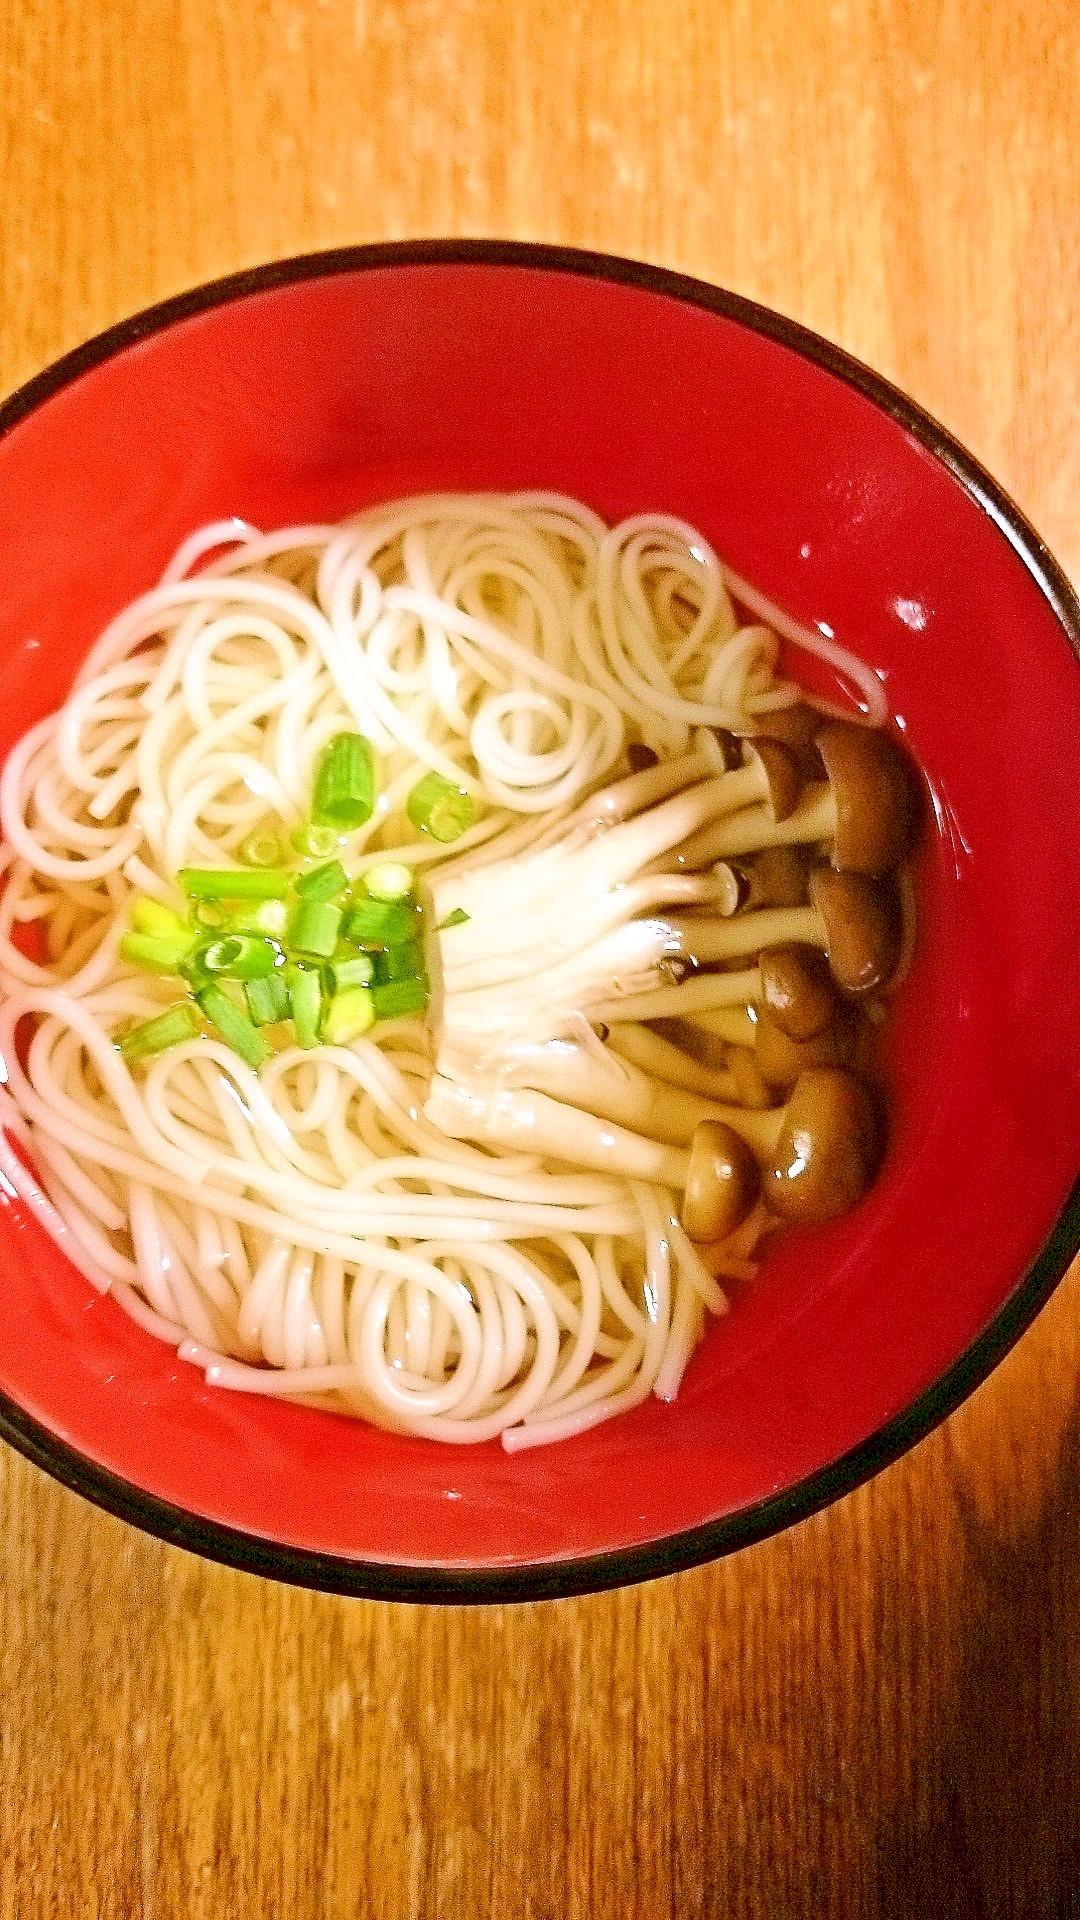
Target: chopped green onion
{"x": 242, "y": 956}
{"x": 348, "y": 1015}
{"x": 149, "y": 916}
{"x": 344, "y": 784}
{"x": 233, "y": 1025}
{"x": 262, "y": 848}
{"x": 240, "y": 883}
{"x": 389, "y": 881}
{"x": 313, "y": 927}
{"x": 322, "y": 883}
{"x": 400, "y": 963}
{"x": 315, "y": 843}
{"x": 267, "y": 1000}
{"x": 398, "y": 997}
{"x": 438, "y": 807}
{"x": 165, "y": 1030}
{"x": 382, "y": 923}
{"x": 209, "y": 915}
{"x": 305, "y": 1005}
{"x": 358, "y": 970}
{"x": 269, "y": 917}
{"x": 160, "y": 952}
{"x": 193, "y": 969}
{"x": 456, "y": 918}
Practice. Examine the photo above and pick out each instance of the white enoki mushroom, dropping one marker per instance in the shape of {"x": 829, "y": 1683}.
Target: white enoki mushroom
{"x": 589, "y": 901}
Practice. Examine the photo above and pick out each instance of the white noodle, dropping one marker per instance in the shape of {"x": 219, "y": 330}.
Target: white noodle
{"x": 307, "y": 1231}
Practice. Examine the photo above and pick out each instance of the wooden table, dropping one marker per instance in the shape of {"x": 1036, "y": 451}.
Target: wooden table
{"x": 879, "y": 1712}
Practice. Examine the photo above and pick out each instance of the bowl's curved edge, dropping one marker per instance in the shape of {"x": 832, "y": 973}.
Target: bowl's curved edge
{"x": 562, "y": 1578}
{"x": 1030, "y": 548}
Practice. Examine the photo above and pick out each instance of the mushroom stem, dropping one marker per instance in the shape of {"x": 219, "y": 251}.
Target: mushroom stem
{"x": 817, "y": 1154}
{"x": 755, "y": 828}
{"x": 867, "y": 810}
{"x": 531, "y": 1122}
{"x": 491, "y": 951}
{"x": 610, "y": 1087}
{"x": 568, "y": 870}
{"x": 708, "y": 940}
{"x": 690, "y": 997}
{"x": 624, "y": 798}
{"x": 736, "y": 1025}
{"x": 665, "y": 1061}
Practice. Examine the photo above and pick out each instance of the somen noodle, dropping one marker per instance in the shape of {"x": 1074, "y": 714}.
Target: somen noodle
{"x": 302, "y": 1223}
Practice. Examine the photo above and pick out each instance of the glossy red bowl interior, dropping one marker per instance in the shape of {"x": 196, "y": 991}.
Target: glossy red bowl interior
{"x": 305, "y": 389}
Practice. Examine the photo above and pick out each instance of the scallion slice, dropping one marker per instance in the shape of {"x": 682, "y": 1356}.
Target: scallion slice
{"x": 380, "y": 923}
{"x": 400, "y": 963}
{"x": 322, "y": 883}
{"x": 150, "y": 916}
{"x": 158, "y": 952}
{"x": 313, "y": 927}
{"x": 167, "y": 1029}
{"x": 348, "y": 1015}
{"x": 267, "y": 1000}
{"x": 242, "y": 956}
{"x": 233, "y": 1025}
{"x": 344, "y": 796}
{"x": 398, "y": 997}
{"x": 236, "y": 883}
{"x": 305, "y": 1005}
{"x": 343, "y": 973}
{"x": 268, "y": 917}
{"x": 315, "y": 843}
{"x": 390, "y": 880}
{"x": 262, "y": 848}
{"x": 438, "y": 807}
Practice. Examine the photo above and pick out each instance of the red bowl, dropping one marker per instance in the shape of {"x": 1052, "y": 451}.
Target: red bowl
{"x": 309, "y": 387}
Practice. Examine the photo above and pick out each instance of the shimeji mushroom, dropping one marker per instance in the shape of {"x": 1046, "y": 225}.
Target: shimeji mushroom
{"x": 665, "y": 1060}
{"x": 797, "y": 989}
{"x": 816, "y": 1155}
{"x": 612, "y": 838}
{"x": 866, "y": 811}
{"x": 780, "y": 1060}
{"x": 588, "y": 899}
{"x": 775, "y": 877}
{"x": 797, "y": 728}
{"x": 864, "y": 927}
{"x": 611, "y": 1087}
{"x": 573, "y": 930}
{"x": 855, "y": 919}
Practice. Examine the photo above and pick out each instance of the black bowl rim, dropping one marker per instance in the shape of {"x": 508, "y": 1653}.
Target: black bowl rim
{"x": 561, "y": 1578}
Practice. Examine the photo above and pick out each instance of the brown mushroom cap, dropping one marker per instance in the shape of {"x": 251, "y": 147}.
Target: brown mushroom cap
{"x": 798, "y": 988}
{"x": 873, "y": 785}
{"x": 730, "y": 745}
{"x": 863, "y": 926}
{"x": 639, "y": 757}
{"x": 828, "y": 1148}
{"x": 782, "y": 775}
{"x": 778, "y": 877}
{"x": 797, "y": 728}
{"x": 775, "y": 877}
{"x": 732, "y": 886}
{"x": 781, "y": 1060}
{"x": 722, "y": 1182}
{"x": 751, "y": 1087}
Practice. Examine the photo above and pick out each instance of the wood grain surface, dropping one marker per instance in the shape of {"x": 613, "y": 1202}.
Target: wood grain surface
{"x": 877, "y": 1713}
